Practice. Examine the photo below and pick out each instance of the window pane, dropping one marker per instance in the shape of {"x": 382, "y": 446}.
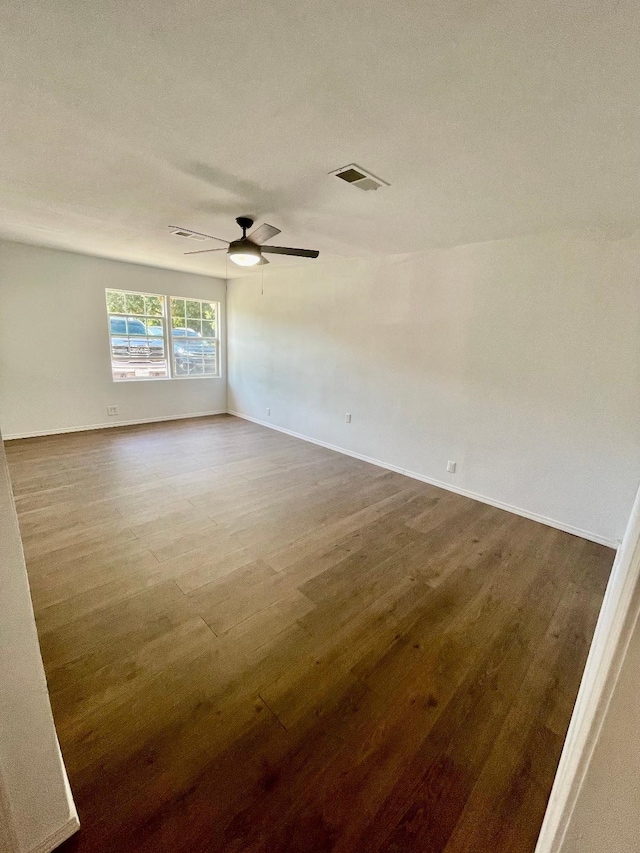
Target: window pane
{"x": 135, "y": 303}
{"x": 193, "y": 309}
{"x": 210, "y": 359}
{"x": 177, "y": 307}
{"x": 153, "y": 306}
{"x": 196, "y": 325}
{"x": 208, "y": 310}
{"x": 182, "y": 366}
{"x": 115, "y": 302}
{"x": 135, "y": 326}
{"x": 208, "y": 329}
{"x": 119, "y": 347}
{"x": 178, "y": 322}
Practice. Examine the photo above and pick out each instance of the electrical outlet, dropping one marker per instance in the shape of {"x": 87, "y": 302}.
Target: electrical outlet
{"x": 268, "y": 413}
{"x": 451, "y": 467}
{"x": 112, "y": 410}
{"x": 347, "y": 418}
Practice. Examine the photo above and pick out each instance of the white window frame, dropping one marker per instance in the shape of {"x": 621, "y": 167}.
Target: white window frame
{"x": 167, "y": 334}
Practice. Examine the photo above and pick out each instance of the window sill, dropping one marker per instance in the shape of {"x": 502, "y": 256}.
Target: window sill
{"x": 160, "y": 379}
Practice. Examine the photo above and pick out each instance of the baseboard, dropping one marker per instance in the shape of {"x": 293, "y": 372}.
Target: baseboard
{"x": 550, "y": 522}
{"x": 111, "y": 424}
{"x": 58, "y": 837}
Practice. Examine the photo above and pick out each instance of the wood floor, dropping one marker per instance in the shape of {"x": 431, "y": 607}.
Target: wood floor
{"x": 256, "y": 645}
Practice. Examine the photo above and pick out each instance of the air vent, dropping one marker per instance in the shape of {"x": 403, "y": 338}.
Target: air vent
{"x": 189, "y": 235}
{"x": 359, "y": 177}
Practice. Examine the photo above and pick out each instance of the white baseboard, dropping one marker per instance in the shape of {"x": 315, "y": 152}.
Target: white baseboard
{"x": 87, "y": 427}
{"x": 58, "y": 837}
{"x": 550, "y": 522}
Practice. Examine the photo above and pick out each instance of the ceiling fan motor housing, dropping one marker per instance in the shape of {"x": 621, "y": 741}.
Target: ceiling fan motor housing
{"x": 244, "y": 252}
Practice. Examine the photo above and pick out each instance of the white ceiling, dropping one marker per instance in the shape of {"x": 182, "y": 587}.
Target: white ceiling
{"x": 489, "y": 118}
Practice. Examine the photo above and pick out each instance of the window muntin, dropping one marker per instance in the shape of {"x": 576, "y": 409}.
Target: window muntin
{"x": 145, "y": 328}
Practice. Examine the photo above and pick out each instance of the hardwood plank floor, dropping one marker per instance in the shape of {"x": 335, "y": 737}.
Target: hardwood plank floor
{"x": 256, "y": 645}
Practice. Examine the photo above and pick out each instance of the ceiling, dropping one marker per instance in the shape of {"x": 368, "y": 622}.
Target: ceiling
{"x": 489, "y": 119}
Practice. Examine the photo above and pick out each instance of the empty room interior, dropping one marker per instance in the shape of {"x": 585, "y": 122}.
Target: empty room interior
{"x": 320, "y": 408}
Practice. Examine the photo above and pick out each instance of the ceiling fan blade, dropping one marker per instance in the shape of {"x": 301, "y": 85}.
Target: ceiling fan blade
{"x": 198, "y": 233}
{"x": 262, "y": 262}
{"x": 203, "y": 251}
{"x": 263, "y": 233}
{"x": 286, "y": 250}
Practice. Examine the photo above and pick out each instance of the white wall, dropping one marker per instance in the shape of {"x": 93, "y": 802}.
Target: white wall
{"x": 36, "y": 808}
{"x": 55, "y": 371}
{"x": 518, "y": 359}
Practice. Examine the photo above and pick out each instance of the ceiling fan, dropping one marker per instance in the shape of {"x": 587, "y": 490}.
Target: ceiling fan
{"x": 247, "y": 251}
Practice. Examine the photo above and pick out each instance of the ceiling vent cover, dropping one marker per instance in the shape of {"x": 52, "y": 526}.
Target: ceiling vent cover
{"x": 359, "y": 177}
{"x": 190, "y": 235}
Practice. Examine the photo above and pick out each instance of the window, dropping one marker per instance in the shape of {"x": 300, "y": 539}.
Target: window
{"x": 159, "y": 337}
{"x": 194, "y": 337}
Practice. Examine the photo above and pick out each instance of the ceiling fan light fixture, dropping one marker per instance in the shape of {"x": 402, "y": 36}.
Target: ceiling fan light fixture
{"x": 243, "y": 260}
{"x": 244, "y": 253}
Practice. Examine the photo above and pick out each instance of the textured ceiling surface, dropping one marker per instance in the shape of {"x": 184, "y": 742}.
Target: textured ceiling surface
{"x": 489, "y": 118}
